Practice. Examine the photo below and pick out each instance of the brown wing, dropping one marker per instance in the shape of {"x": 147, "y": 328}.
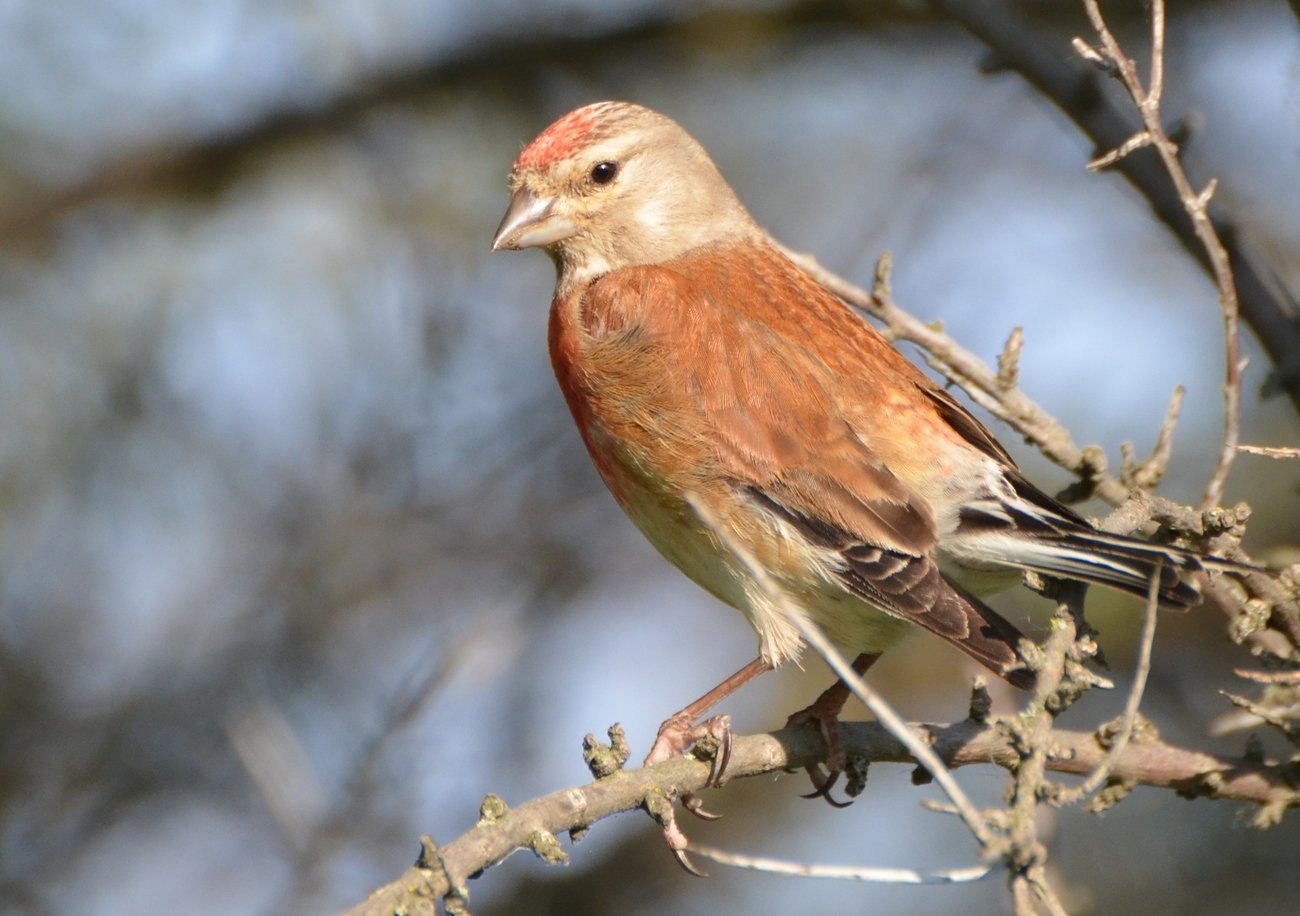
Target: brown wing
{"x": 776, "y": 435}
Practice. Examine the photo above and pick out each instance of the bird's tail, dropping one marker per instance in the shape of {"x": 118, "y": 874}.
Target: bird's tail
{"x": 1120, "y": 562}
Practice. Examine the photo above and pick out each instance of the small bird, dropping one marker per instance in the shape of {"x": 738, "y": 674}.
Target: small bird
{"x": 707, "y": 371}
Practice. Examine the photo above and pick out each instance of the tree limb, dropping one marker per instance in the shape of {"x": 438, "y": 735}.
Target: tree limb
{"x": 1147, "y": 760}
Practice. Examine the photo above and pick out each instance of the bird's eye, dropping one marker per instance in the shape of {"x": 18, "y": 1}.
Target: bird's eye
{"x": 604, "y": 172}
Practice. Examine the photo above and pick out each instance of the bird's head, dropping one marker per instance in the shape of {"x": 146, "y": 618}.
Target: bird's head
{"x": 615, "y": 185}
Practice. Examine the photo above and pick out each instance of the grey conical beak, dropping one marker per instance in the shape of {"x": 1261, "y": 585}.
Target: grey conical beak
{"x": 531, "y": 222}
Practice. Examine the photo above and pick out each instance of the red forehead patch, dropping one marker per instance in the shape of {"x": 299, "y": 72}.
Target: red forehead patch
{"x": 558, "y": 140}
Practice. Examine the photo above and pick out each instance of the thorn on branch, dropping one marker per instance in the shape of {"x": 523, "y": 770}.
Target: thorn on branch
{"x": 880, "y": 283}
{"x": 1147, "y": 474}
{"x": 1203, "y": 199}
{"x": 1093, "y": 56}
{"x": 1009, "y": 360}
{"x": 428, "y": 858}
{"x": 456, "y": 899}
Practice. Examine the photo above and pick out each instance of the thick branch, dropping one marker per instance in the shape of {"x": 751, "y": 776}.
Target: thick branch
{"x": 535, "y": 824}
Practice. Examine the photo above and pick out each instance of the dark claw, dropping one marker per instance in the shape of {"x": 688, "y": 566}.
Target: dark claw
{"x": 823, "y": 788}
{"x": 822, "y": 782}
{"x": 722, "y": 760}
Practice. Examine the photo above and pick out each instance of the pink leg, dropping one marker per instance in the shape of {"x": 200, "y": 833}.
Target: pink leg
{"x": 680, "y": 730}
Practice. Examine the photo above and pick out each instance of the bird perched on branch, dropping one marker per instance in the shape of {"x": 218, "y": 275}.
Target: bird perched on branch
{"x": 706, "y": 369}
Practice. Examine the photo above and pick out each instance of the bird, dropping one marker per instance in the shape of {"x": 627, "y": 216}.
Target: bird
{"x": 726, "y": 397}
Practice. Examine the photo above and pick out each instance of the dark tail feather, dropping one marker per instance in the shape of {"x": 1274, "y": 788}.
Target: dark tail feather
{"x": 1129, "y": 565}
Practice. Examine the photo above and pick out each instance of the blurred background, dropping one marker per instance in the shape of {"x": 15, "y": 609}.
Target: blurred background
{"x": 300, "y": 555}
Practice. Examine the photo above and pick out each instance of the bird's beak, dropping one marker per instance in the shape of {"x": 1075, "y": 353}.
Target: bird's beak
{"x": 531, "y": 222}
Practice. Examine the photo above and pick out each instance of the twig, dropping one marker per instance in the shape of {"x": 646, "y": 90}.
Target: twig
{"x": 1128, "y": 719}
{"x": 1289, "y": 678}
{"x": 1146, "y": 474}
{"x": 1264, "y": 301}
{"x": 1031, "y": 734}
{"x": 1195, "y": 204}
{"x": 1270, "y": 451}
{"x": 842, "y": 872}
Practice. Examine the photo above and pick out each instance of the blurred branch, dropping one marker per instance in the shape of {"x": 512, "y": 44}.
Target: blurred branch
{"x": 443, "y": 871}
{"x": 205, "y": 163}
{"x": 1075, "y": 88}
{"x": 1078, "y": 91}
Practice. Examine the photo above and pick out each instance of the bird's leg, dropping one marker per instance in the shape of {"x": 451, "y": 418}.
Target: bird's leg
{"x": 825, "y": 711}
{"x": 680, "y": 730}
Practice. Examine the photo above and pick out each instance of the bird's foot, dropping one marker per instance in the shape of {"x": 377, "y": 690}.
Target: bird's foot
{"x": 660, "y": 807}
{"x": 825, "y": 712}
{"x": 711, "y": 739}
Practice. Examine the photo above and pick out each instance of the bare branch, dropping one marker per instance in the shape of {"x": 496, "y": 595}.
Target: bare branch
{"x": 1078, "y": 91}
{"x": 1151, "y": 763}
{"x": 1147, "y": 100}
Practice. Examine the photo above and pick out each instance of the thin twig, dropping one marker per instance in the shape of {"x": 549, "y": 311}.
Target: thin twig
{"x": 842, "y": 872}
{"x": 1146, "y": 474}
{"x": 1019, "y": 45}
{"x": 1270, "y": 451}
{"x": 1196, "y": 205}
{"x": 1128, "y": 719}
{"x": 1289, "y": 678}
{"x": 1032, "y": 731}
